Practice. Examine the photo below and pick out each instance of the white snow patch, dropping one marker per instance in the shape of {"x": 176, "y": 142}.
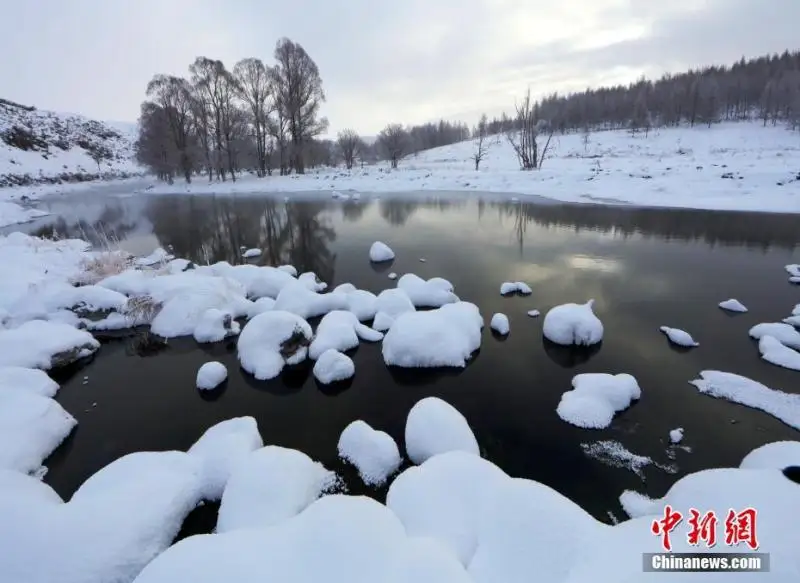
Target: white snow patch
{"x": 392, "y": 275}
{"x": 362, "y": 303}
{"x": 776, "y": 353}
{"x": 374, "y": 453}
{"x": 290, "y": 269}
{"x": 434, "y": 427}
{"x": 733, "y": 305}
{"x": 676, "y": 435}
{"x": 257, "y": 282}
{"x": 616, "y": 455}
{"x": 312, "y": 282}
{"x": 433, "y": 293}
{"x": 511, "y": 287}
{"x": 391, "y": 303}
{"x": 260, "y": 306}
{"x": 636, "y": 504}
{"x": 159, "y": 256}
{"x": 569, "y": 324}
{"x": 271, "y": 340}
{"x": 251, "y": 253}
{"x": 793, "y": 321}
{"x": 211, "y": 375}
{"x": 679, "y": 337}
{"x": 596, "y": 398}
{"x": 499, "y": 324}
{"x": 333, "y": 366}
{"x": 773, "y": 456}
{"x": 380, "y": 252}
{"x": 783, "y": 333}
{"x": 340, "y": 330}
{"x": 40, "y": 344}
{"x": 534, "y": 313}
{"x": 214, "y": 326}
{"x": 31, "y": 380}
{"x": 13, "y": 214}
{"x": 298, "y": 299}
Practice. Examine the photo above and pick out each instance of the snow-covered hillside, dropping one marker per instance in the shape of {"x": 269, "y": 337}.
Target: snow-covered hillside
{"x": 43, "y": 147}
{"x": 730, "y": 166}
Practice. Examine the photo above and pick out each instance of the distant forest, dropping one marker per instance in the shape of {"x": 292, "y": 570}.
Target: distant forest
{"x": 265, "y": 118}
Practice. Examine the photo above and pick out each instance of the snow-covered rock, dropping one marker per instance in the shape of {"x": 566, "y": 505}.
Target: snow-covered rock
{"x": 341, "y": 331}
{"x": 792, "y": 321}
{"x": 390, "y": 304}
{"x": 676, "y": 435}
{"x": 794, "y": 271}
{"x": 31, "y": 380}
{"x": 257, "y": 282}
{"x": 392, "y": 275}
{"x": 783, "y": 333}
{"x": 211, "y": 375}
{"x": 733, "y": 305}
{"x": 333, "y": 366}
{"x": 251, "y": 253}
{"x": 214, "y": 326}
{"x": 269, "y": 486}
{"x": 596, "y": 398}
{"x": 534, "y": 313}
{"x": 158, "y": 257}
{"x": 290, "y": 269}
{"x": 773, "y": 456}
{"x": 679, "y": 337}
{"x": 445, "y": 337}
{"x": 374, "y": 453}
{"x": 511, "y": 287}
{"x": 569, "y": 324}
{"x": 380, "y": 252}
{"x": 499, "y": 324}
{"x": 260, "y": 306}
{"x": 776, "y": 353}
{"x": 45, "y": 345}
{"x": 298, "y": 299}
{"x": 433, "y": 293}
{"x": 220, "y": 449}
{"x": 739, "y": 389}
{"x": 434, "y": 427}
{"x": 362, "y": 303}
{"x": 312, "y": 282}
{"x": 271, "y": 340}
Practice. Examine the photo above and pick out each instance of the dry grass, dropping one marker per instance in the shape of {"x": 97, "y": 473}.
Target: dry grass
{"x": 141, "y": 310}
{"x": 103, "y": 265}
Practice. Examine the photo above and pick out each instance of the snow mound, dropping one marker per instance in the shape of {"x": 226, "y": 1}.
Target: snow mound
{"x": 793, "y": 321}
{"x": 445, "y": 337}
{"x": 500, "y": 324}
{"x": 636, "y": 504}
{"x": 269, "y": 486}
{"x": 391, "y": 303}
{"x": 380, "y": 252}
{"x": 31, "y": 380}
{"x": 290, "y": 269}
{"x": 733, "y": 305}
{"x": 298, "y": 299}
{"x": 374, "y": 453}
{"x": 45, "y": 345}
{"x": 738, "y": 389}
{"x": 257, "y": 282}
{"x": 676, "y": 435}
{"x": 434, "y": 427}
{"x": 221, "y": 448}
{"x": 312, "y": 282}
{"x": 362, "y": 303}
{"x": 534, "y": 313}
{"x": 392, "y": 275}
{"x": 773, "y": 456}
{"x": 776, "y": 353}
{"x": 783, "y": 333}
{"x": 433, "y": 293}
{"x": 159, "y": 256}
{"x": 679, "y": 337}
{"x": 569, "y": 324}
{"x": 271, "y": 340}
{"x": 793, "y": 271}
{"x": 260, "y": 306}
{"x": 251, "y": 253}
{"x": 14, "y": 214}
{"x": 211, "y": 375}
{"x": 512, "y": 287}
{"x": 214, "y": 326}
{"x": 596, "y": 398}
{"x": 333, "y": 366}
{"x": 341, "y": 331}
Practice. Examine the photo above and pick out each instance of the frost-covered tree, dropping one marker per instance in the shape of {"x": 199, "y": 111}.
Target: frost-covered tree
{"x": 348, "y": 143}
{"x": 393, "y": 141}
{"x": 524, "y": 135}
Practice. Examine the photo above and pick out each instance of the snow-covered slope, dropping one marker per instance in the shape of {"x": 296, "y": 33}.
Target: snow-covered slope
{"x": 41, "y": 147}
{"x": 730, "y": 166}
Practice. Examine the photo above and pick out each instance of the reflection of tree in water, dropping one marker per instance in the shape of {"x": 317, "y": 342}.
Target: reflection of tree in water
{"x": 207, "y": 230}
{"x": 397, "y": 212}
{"x": 352, "y": 211}
{"x": 109, "y": 227}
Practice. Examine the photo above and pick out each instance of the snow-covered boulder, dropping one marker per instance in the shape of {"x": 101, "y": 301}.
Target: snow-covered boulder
{"x": 783, "y": 333}
{"x": 773, "y": 456}
{"x": 45, "y": 345}
{"x": 220, "y": 449}
{"x": 312, "y": 282}
{"x": 676, "y": 435}
{"x": 362, "y": 303}
{"x": 569, "y": 324}
{"x": 214, "y": 326}
{"x": 374, "y": 453}
{"x": 157, "y": 257}
{"x": 500, "y": 324}
{"x": 260, "y": 306}
{"x": 290, "y": 269}
{"x": 596, "y": 398}
{"x": 794, "y": 272}
{"x": 773, "y": 351}
{"x": 445, "y": 337}
{"x": 271, "y": 340}
{"x": 390, "y": 304}
{"x": 211, "y": 375}
{"x": 31, "y": 380}
{"x": 333, "y": 366}
{"x": 380, "y": 252}
{"x": 512, "y": 287}
{"x": 679, "y": 337}
{"x": 258, "y": 282}
{"x": 733, "y": 305}
{"x": 341, "y": 331}
{"x": 298, "y": 299}
{"x": 534, "y": 313}
{"x": 251, "y": 253}
{"x": 269, "y": 486}
{"x": 433, "y": 293}
{"x": 433, "y": 427}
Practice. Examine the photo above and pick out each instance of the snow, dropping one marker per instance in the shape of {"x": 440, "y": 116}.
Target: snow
{"x": 733, "y": 305}
{"x": 392, "y": 275}
{"x": 260, "y": 306}
{"x": 31, "y": 380}
{"x": 271, "y": 340}
{"x": 776, "y": 353}
{"x": 298, "y": 299}
{"x": 434, "y": 427}
{"x": 676, "y": 435}
{"x": 520, "y": 287}
{"x": 333, "y": 366}
{"x": 12, "y": 214}
{"x": 445, "y": 337}
{"x": 793, "y": 270}
{"x": 671, "y": 167}
{"x": 250, "y": 253}
{"x": 613, "y": 453}
{"x": 380, "y": 252}
{"x": 312, "y": 282}
{"x": 534, "y": 313}
{"x": 679, "y": 337}
{"x": 341, "y": 331}
{"x": 793, "y": 321}
{"x": 40, "y": 344}
{"x": 157, "y": 257}
{"x": 374, "y": 453}
{"x": 215, "y": 325}
{"x": 783, "y": 333}
{"x": 221, "y": 449}
{"x": 290, "y": 269}
{"x": 258, "y": 282}
{"x": 596, "y": 398}
{"x": 362, "y": 303}
{"x": 211, "y": 375}
{"x": 773, "y": 456}
{"x": 433, "y": 293}
{"x": 569, "y": 324}
{"x": 499, "y": 324}
{"x": 738, "y": 389}
{"x": 391, "y": 303}
{"x": 269, "y": 486}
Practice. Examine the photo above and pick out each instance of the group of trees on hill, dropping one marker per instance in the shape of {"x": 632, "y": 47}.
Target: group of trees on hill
{"x": 263, "y": 118}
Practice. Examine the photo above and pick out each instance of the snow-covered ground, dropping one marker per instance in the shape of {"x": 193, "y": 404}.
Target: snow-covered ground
{"x": 730, "y": 166}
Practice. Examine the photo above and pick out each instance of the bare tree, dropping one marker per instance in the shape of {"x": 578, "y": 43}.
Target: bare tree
{"x": 393, "y": 140}
{"x": 524, "y": 133}
{"x": 348, "y": 143}
{"x": 254, "y": 82}
{"x": 586, "y": 133}
{"x": 208, "y": 79}
{"x": 641, "y": 115}
{"x": 173, "y": 95}
{"x": 481, "y": 139}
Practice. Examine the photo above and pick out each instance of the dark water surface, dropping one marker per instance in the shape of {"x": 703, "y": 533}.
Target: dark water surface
{"x": 644, "y": 268}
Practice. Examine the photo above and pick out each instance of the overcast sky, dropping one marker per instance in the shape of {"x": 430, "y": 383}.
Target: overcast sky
{"x": 406, "y": 61}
